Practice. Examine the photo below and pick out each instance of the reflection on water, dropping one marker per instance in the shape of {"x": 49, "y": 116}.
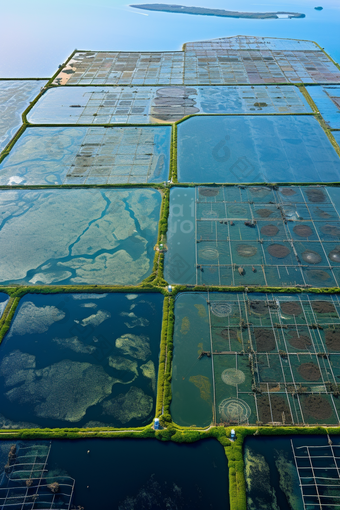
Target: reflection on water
{"x": 78, "y": 236}
{"x": 69, "y": 361}
{"x": 255, "y": 149}
{"x": 115, "y": 474}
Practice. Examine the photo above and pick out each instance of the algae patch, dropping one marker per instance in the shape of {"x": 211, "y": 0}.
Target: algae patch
{"x": 120, "y": 363}
{"x": 288, "y": 480}
{"x": 134, "y": 404}
{"x": 134, "y": 346}
{"x": 32, "y": 319}
{"x": 62, "y": 391}
{"x": 96, "y": 319}
{"x": 201, "y": 310}
{"x": 185, "y": 326}
{"x": 260, "y": 494}
{"x": 150, "y": 373}
{"x": 75, "y": 345}
{"x": 203, "y": 384}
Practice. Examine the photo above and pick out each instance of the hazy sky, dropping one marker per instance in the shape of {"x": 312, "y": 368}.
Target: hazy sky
{"x": 37, "y": 36}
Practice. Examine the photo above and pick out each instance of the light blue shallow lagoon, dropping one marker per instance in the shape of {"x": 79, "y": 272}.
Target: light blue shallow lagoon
{"x": 75, "y": 236}
{"x": 82, "y": 155}
{"x": 15, "y": 97}
{"x": 327, "y": 100}
{"x": 255, "y": 149}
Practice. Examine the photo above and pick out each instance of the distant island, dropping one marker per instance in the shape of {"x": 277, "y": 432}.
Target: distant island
{"x": 318, "y": 8}
{"x": 181, "y": 9}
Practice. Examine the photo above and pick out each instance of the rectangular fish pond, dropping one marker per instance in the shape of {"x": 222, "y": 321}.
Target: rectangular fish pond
{"x": 232, "y": 235}
{"x": 75, "y": 236}
{"x": 246, "y": 149}
{"x": 327, "y": 100}
{"x": 256, "y": 358}
{"x": 81, "y": 155}
{"x": 81, "y": 360}
{"x": 292, "y": 472}
{"x": 142, "y": 105}
{"x": 113, "y": 474}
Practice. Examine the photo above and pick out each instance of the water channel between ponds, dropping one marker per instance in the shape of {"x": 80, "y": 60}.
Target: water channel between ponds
{"x": 81, "y": 360}
{"x": 115, "y": 474}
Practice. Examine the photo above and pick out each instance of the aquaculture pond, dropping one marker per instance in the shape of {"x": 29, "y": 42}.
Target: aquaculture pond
{"x": 15, "y": 97}
{"x": 87, "y": 236}
{"x": 243, "y": 60}
{"x": 93, "y": 105}
{"x": 81, "y": 360}
{"x": 327, "y": 100}
{"x": 256, "y": 358}
{"x": 81, "y": 155}
{"x": 114, "y": 474}
{"x": 292, "y": 472}
{"x": 229, "y": 235}
{"x": 255, "y": 149}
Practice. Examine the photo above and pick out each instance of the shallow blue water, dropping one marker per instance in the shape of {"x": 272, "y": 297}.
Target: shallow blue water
{"x": 38, "y": 37}
{"x": 255, "y": 149}
{"x": 84, "y": 236}
{"x": 325, "y": 98}
{"x": 81, "y": 155}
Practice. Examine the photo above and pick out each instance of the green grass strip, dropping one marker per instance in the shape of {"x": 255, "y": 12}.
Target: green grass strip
{"x": 7, "y": 316}
{"x": 61, "y": 68}
{"x": 162, "y": 360}
{"x": 173, "y": 163}
{"x": 12, "y": 142}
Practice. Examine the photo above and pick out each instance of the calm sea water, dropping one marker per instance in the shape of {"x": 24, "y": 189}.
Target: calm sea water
{"x": 38, "y": 36}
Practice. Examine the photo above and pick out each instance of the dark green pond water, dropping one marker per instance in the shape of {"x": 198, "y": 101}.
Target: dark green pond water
{"x": 81, "y": 360}
{"x": 121, "y": 474}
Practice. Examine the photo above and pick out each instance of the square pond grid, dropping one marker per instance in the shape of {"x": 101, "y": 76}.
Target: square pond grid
{"x": 318, "y": 468}
{"x": 255, "y": 148}
{"x": 229, "y": 236}
{"x": 15, "y": 97}
{"x": 240, "y": 42}
{"x": 257, "y": 358}
{"x": 210, "y": 66}
{"x": 143, "y": 105}
{"x": 327, "y": 100}
{"x": 209, "y": 62}
{"x": 115, "y": 68}
{"x": 95, "y": 155}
